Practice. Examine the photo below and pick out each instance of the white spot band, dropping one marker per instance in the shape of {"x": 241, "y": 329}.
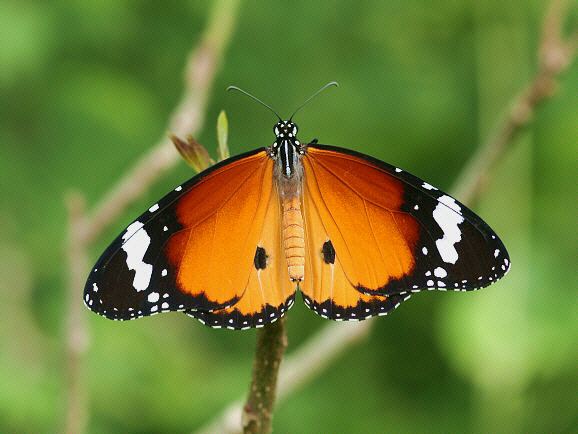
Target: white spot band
{"x": 136, "y": 243}
{"x": 448, "y": 217}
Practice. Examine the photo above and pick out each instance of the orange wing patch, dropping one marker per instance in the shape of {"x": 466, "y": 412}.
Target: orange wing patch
{"x": 222, "y": 219}
{"x": 268, "y": 293}
{"x": 359, "y": 206}
{"x": 326, "y": 289}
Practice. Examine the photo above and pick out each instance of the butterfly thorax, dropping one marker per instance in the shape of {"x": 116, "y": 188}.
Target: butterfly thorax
{"x": 286, "y": 149}
{"x": 287, "y": 152}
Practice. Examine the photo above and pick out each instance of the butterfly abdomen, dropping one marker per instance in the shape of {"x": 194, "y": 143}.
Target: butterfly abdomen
{"x": 294, "y": 237}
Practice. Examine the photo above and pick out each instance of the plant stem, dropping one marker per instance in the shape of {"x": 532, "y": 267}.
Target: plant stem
{"x": 258, "y": 410}
{"x": 77, "y": 336}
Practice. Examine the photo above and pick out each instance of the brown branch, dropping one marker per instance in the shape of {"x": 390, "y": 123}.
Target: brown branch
{"x": 258, "y": 410}
{"x": 555, "y": 55}
{"x": 301, "y": 366}
{"x": 76, "y": 342}
{"x": 187, "y": 118}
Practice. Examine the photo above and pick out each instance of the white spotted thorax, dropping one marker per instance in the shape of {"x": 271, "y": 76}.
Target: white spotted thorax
{"x": 286, "y": 149}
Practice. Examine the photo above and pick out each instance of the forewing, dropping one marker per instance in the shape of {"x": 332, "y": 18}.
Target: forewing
{"x": 394, "y": 233}
{"x": 193, "y": 249}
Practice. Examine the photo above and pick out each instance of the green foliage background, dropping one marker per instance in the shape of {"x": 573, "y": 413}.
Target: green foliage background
{"x": 86, "y": 87}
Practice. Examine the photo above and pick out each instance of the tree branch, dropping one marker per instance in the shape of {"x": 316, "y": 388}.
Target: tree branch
{"x": 187, "y": 119}
{"x": 77, "y": 338}
{"x": 83, "y": 229}
{"x": 258, "y": 410}
{"x": 555, "y": 55}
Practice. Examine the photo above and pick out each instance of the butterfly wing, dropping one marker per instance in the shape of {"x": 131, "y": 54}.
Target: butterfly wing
{"x": 194, "y": 249}
{"x": 391, "y": 232}
{"x": 269, "y": 292}
{"x": 326, "y": 289}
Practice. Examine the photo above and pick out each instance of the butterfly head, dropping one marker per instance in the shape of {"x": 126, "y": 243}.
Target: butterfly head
{"x": 285, "y": 130}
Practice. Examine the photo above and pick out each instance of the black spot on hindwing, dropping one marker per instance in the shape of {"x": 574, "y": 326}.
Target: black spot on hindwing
{"x": 328, "y": 252}
{"x": 260, "y": 259}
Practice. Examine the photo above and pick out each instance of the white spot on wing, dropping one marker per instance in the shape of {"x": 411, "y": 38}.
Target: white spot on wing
{"x": 428, "y": 186}
{"x": 440, "y": 272}
{"x": 154, "y": 208}
{"x": 153, "y": 297}
{"x": 448, "y": 217}
{"x": 136, "y": 243}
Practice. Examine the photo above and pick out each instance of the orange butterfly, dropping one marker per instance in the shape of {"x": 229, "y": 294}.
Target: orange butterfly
{"x": 232, "y": 245}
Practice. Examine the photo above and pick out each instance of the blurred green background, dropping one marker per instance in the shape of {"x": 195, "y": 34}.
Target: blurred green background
{"x": 87, "y": 86}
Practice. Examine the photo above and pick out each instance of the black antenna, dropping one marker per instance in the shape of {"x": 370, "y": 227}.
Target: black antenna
{"x": 255, "y": 98}
{"x": 332, "y": 83}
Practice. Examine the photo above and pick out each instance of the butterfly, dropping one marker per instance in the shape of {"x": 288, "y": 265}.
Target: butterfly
{"x": 354, "y": 235}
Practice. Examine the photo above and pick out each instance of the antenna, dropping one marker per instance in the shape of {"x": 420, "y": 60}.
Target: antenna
{"x": 255, "y": 98}
{"x": 332, "y": 83}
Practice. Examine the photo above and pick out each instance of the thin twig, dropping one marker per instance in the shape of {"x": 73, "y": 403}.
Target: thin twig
{"x": 258, "y": 410}
{"x": 187, "y": 118}
{"x": 301, "y": 366}
{"x": 555, "y": 55}
{"x": 76, "y": 343}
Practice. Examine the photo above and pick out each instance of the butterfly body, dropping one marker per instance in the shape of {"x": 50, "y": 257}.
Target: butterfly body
{"x": 232, "y": 245}
{"x": 287, "y": 153}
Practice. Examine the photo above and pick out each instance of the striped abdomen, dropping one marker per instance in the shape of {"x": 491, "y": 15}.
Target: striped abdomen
{"x": 294, "y": 237}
